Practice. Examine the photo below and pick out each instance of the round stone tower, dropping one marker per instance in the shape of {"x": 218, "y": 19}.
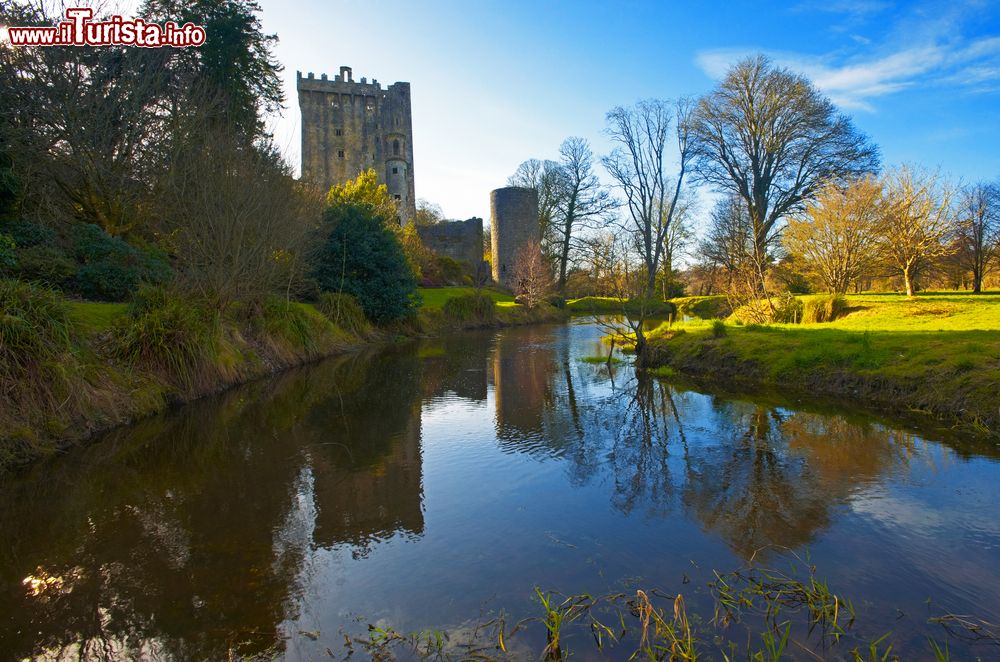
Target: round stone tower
{"x": 513, "y": 223}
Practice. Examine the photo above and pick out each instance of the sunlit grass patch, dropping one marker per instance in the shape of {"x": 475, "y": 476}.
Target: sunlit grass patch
{"x": 938, "y": 353}
{"x": 434, "y": 298}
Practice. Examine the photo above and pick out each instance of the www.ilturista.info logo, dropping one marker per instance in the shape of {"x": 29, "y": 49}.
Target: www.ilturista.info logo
{"x": 79, "y": 30}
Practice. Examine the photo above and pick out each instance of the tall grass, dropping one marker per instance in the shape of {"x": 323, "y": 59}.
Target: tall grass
{"x": 477, "y": 308}
{"x": 824, "y": 309}
{"x": 176, "y": 336}
{"x": 345, "y": 312}
{"x": 34, "y": 329}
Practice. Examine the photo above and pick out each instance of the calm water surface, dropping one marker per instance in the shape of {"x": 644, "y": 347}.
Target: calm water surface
{"x": 432, "y": 485}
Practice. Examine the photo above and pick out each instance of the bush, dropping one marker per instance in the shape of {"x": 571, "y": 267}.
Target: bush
{"x": 824, "y": 309}
{"x": 44, "y": 264}
{"x": 27, "y": 235}
{"x": 8, "y": 254}
{"x": 170, "y": 333}
{"x": 787, "y": 310}
{"x": 92, "y": 244}
{"x": 34, "y": 328}
{"x": 450, "y": 269}
{"x": 105, "y": 281}
{"x": 113, "y": 269}
{"x": 557, "y": 301}
{"x": 718, "y": 328}
{"x": 363, "y": 258}
{"x": 476, "y": 307}
{"x": 345, "y": 312}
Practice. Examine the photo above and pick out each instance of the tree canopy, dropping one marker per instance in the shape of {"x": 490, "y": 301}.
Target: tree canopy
{"x": 769, "y": 136}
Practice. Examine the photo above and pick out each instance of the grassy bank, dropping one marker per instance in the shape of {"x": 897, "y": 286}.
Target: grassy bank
{"x": 69, "y": 370}
{"x": 446, "y": 309}
{"x": 938, "y": 354}
{"x": 615, "y": 306}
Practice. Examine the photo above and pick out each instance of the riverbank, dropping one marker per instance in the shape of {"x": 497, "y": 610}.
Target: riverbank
{"x": 71, "y": 370}
{"x": 937, "y": 354}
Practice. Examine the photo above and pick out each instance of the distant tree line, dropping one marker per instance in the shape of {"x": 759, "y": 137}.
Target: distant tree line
{"x": 802, "y": 203}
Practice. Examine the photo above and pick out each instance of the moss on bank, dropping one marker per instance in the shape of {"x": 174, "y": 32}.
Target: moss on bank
{"x": 939, "y": 355}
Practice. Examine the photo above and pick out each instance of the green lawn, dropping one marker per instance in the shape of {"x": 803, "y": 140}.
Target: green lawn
{"x": 434, "y": 298}
{"x": 937, "y": 352}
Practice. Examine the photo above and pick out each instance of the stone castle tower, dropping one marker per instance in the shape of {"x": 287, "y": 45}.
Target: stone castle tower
{"x": 513, "y": 223}
{"x": 350, "y": 126}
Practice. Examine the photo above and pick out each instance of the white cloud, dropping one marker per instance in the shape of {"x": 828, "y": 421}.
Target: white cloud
{"x": 854, "y": 83}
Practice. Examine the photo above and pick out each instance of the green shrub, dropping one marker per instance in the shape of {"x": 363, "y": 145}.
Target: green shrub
{"x": 362, "y": 257}
{"x": 44, "y": 264}
{"x": 27, "y": 235}
{"x": 450, "y": 269}
{"x": 557, "y": 301}
{"x": 154, "y": 264}
{"x": 471, "y": 308}
{"x": 92, "y": 244}
{"x": 8, "y": 254}
{"x": 113, "y": 269}
{"x": 718, "y": 328}
{"x": 105, "y": 281}
{"x": 34, "y": 328}
{"x": 168, "y": 332}
{"x": 345, "y": 312}
{"x": 824, "y": 309}
{"x": 787, "y": 309}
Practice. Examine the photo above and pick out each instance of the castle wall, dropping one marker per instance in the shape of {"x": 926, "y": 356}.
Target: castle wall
{"x": 459, "y": 240}
{"x": 513, "y": 223}
{"x": 350, "y": 126}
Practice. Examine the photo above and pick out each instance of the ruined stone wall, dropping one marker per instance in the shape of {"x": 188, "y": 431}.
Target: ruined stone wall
{"x": 513, "y": 223}
{"x": 459, "y": 240}
{"x": 350, "y": 126}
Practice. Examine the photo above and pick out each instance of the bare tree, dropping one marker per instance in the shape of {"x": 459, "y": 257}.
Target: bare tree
{"x": 638, "y": 166}
{"x": 839, "y": 232}
{"x": 768, "y": 136}
{"x": 584, "y": 200}
{"x": 978, "y": 231}
{"x": 428, "y": 213}
{"x": 677, "y": 241}
{"x": 532, "y": 275}
{"x": 548, "y": 179}
{"x": 729, "y": 247}
{"x": 916, "y": 222}
{"x": 239, "y": 223}
{"x": 85, "y": 124}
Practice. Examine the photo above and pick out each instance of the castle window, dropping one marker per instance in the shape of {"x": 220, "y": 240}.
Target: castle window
{"x": 395, "y": 171}
{"x": 395, "y": 147}
{"x": 340, "y": 153}
{"x": 397, "y": 197}
{"x": 338, "y": 132}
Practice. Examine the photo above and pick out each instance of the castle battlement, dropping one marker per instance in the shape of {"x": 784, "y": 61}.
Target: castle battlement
{"x": 349, "y": 126}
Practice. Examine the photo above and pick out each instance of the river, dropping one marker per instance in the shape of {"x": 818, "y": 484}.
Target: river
{"x": 435, "y": 484}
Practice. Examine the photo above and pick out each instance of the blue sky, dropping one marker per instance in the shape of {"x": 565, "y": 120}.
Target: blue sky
{"x": 495, "y": 83}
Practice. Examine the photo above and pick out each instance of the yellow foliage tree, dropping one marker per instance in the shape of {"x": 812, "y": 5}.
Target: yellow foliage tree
{"x": 364, "y": 190}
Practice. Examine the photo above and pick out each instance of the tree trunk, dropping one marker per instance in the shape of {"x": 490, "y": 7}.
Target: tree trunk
{"x": 908, "y": 279}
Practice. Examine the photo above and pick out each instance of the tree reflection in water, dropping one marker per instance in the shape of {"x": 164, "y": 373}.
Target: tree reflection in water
{"x": 195, "y": 534}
